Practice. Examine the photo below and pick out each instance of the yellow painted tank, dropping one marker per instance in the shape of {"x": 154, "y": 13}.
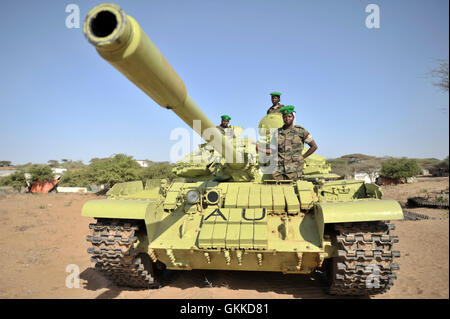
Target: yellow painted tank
{"x": 228, "y": 216}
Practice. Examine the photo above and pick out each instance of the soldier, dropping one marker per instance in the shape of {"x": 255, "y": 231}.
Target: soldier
{"x": 290, "y": 142}
{"x": 276, "y": 106}
{"x": 224, "y": 128}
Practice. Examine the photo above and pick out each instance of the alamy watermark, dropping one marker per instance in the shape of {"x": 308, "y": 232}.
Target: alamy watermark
{"x": 373, "y": 19}
{"x": 73, "y": 279}
{"x": 73, "y": 17}
{"x": 373, "y": 279}
{"x": 188, "y": 146}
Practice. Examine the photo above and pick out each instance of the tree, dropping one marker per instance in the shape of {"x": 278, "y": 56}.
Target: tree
{"x": 5, "y": 163}
{"x": 109, "y": 171}
{"x": 357, "y": 158}
{"x": 157, "y": 171}
{"x": 117, "y": 169}
{"x": 40, "y": 173}
{"x": 399, "y": 168}
{"x": 16, "y": 180}
{"x": 53, "y": 163}
{"x": 69, "y": 164}
{"x": 441, "y": 75}
{"x": 442, "y": 167}
{"x": 427, "y": 163}
{"x": 340, "y": 166}
{"x": 369, "y": 166}
{"x": 79, "y": 178}
{"x": 347, "y": 165}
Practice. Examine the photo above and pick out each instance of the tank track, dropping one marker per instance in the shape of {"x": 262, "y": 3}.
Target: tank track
{"x": 424, "y": 202}
{"x": 364, "y": 265}
{"x": 414, "y": 216}
{"x": 114, "y": 255}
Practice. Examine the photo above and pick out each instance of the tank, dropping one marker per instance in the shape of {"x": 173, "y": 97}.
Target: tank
{"x": 228, "y": 214}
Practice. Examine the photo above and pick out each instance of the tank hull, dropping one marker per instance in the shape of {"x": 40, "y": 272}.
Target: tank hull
{"x": 252, "y": 227}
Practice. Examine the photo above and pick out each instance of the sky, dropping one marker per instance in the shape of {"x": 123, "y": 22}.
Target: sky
{"x": 355, "y": 89}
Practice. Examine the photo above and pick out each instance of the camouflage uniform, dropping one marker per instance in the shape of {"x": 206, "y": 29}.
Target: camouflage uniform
{"x": 290, "y": 146}
{"x": 227, "y": 131}
{"x": 275, "y": 108}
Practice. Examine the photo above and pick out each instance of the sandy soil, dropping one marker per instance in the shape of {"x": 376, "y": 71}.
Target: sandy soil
{"x": 41, "y": 235}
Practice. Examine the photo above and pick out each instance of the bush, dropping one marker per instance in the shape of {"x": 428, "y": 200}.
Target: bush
{"x": 157, "y": 171}
{"x": 16, "y": 180}
{"x": 442, "y": 167}
{"x": 75, "y": 179}
{"x": 5, "y": 163}
{"x": 109, "y": 171}
{"x": 340, "y": 166}
{"x": 68, "y": 164}
{"x": 117, "y": 169}
{"x": 427, "y": 163}
{"x": 347, "y": 165}
{"x": 399, "y": 168}
{"x": 40, "y": 173}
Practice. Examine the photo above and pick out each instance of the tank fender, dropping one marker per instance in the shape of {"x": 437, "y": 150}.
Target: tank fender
{"x": 123, "y": 209}
{"x": 355, "y": 211}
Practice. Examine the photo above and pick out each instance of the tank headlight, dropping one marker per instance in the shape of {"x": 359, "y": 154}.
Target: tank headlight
{"x": 212, "y": 197}
{"x": 192, "y": 196}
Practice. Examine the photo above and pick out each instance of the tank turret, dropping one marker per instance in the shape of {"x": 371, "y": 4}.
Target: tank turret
{"x": 119, "y": 39}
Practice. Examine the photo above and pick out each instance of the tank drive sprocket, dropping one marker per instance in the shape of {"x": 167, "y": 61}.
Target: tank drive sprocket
{"x": 364, "y": 265}
{"x": 114, "y": 254}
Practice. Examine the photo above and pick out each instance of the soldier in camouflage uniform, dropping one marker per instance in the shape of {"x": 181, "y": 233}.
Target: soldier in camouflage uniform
{"x": 224, "y": 128}
{"x": 289, "y": 141}
{"x": 276, "y": 106}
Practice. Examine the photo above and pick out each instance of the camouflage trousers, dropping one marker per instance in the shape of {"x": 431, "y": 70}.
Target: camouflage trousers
{"x": 292, "y": 174}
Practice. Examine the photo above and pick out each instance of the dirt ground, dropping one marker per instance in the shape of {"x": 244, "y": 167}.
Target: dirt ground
{"x": 42, "y": 235}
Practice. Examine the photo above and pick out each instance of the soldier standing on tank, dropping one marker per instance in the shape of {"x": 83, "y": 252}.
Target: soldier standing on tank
{"x": 224, "y": 128}
{"x": 276, "y": 106}
{"x": 289, "y": 140}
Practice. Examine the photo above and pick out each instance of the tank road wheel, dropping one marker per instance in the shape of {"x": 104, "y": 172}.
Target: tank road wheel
{"x": 114, "y": 255}
{"x": 364, "y": 265}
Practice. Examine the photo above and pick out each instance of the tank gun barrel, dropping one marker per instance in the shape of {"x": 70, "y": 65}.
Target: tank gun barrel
{"x": 119, "y": 39}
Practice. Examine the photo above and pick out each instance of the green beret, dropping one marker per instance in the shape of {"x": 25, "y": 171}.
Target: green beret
{"x": 276, "y": 93}
{"x": 288, "y": 109}
{"x": 225, "y": 117}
